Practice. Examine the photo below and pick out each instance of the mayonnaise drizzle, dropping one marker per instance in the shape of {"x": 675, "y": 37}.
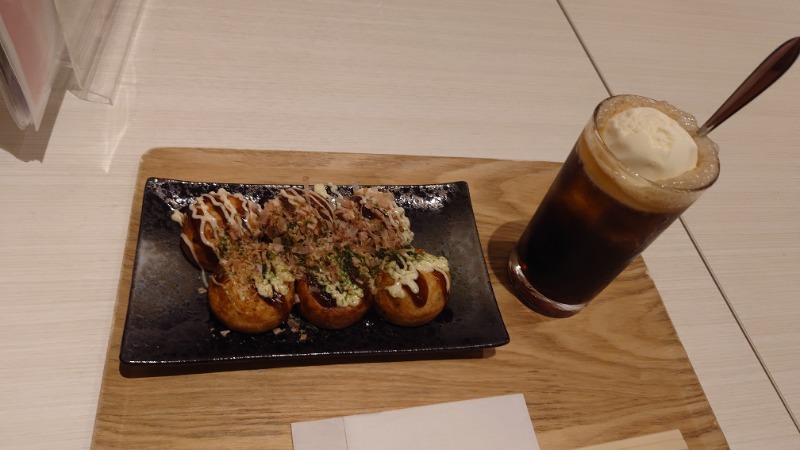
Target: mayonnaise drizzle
{"x": 237, "y": 223}
{"x": 313, "y": 198}
{"x": 273, "y": 266}
{"x": 272, "y": 278}
{"x": 205, "y": 209}
{"x": 407, "y": 273}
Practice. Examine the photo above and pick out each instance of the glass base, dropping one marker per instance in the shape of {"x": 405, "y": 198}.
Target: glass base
{"x": 534, "y": 299}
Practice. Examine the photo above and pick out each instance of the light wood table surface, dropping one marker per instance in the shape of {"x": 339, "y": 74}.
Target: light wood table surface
{"x": 507, "y": 80}
{"x": 748, "y": 224}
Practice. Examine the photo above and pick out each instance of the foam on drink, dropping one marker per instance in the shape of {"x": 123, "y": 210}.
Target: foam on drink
{"x": 625, "y": 179}
{"x": 650, "y": 143}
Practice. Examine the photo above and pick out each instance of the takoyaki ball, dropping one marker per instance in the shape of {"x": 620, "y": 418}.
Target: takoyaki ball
{"x": 412, "y": 287}
{"x": 297, "y": 216}
{"x": 249, "y": 297}
{"x": 213, "y": 222}
{"x": 323, "y": 309}
{"x": 371, "y": 220}
{"x": 414, "y": 306}
{"x": 194, "y": 248}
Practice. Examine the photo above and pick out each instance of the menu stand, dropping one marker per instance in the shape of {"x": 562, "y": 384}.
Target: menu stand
{"x": 39, "y": 38}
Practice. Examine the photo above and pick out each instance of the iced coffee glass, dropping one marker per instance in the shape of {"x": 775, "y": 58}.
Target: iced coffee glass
{"x": 602, "y": 211}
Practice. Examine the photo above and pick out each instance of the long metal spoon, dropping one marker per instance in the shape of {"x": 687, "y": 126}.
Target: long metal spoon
{"x": 768, "y": 72}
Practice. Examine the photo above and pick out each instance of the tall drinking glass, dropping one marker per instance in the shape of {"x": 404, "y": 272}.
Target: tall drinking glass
{"x": 599, "y": 214}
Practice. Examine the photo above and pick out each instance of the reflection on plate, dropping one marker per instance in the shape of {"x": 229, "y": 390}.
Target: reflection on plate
{"x": 169, "y": 322}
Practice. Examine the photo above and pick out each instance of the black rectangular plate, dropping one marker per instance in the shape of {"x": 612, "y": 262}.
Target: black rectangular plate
{"x": 169, "y": 322}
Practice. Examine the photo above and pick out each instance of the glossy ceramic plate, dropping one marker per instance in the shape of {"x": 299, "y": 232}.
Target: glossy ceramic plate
{"x": 169, "y": 322}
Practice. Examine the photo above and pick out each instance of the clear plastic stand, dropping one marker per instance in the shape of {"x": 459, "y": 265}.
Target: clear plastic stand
{"x": 31, "y": 44}
{"x": 97, "y": 35}
{"x": 38, "y": 37}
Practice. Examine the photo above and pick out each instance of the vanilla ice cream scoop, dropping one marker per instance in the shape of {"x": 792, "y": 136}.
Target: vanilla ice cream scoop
{"x": 650, "y": 143}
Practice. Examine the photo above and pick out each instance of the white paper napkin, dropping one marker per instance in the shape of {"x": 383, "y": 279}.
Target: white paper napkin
{"x": 500, "y": 423}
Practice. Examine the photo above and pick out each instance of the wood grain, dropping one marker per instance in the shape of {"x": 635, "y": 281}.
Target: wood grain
{"x": 666, "y": 440}
{"x": 615, "y": 371}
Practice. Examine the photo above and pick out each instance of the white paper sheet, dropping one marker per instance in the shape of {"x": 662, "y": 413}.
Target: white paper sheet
{"x": 500, "y": 423}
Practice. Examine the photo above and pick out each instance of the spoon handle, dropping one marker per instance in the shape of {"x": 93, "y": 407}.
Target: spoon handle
{"x": 768, "y": 72}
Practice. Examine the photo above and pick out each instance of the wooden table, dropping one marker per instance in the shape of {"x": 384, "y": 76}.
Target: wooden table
{"x": 615, "y": 371}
